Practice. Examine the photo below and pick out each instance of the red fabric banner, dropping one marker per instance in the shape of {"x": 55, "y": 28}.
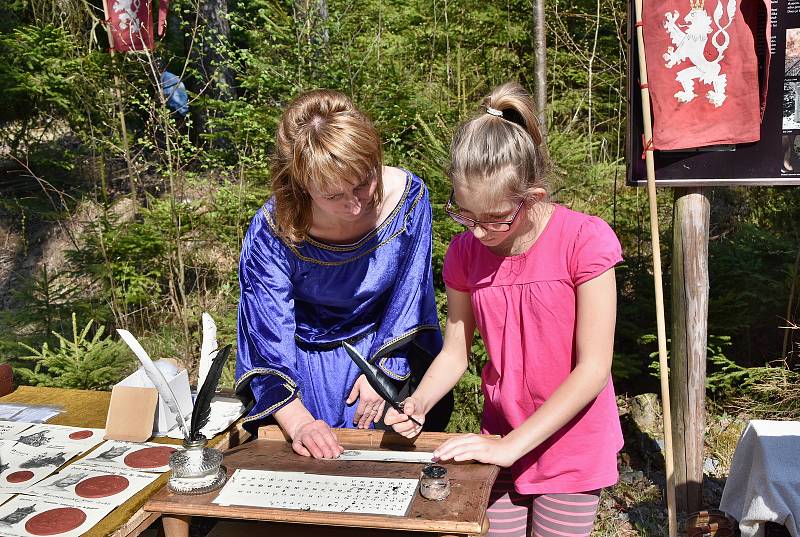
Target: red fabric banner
{"x": 702, "y": 70}
{"x": 131, "y": 24}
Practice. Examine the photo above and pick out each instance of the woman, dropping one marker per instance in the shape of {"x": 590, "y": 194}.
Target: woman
{"x": 342, "y": 252}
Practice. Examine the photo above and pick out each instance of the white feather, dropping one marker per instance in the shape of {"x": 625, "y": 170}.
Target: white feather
{"x": 208, "y": 349}
{"x": 157, "y": 378}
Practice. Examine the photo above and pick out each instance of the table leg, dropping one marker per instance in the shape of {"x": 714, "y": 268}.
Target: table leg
{"x": 176, "y": 525}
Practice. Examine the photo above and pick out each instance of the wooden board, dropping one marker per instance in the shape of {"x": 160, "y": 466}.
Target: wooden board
{"x": 248, "y": 528}
{"x": 464, "y": 511}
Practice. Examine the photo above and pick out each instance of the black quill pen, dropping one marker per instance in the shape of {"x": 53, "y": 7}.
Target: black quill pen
{"x": 379, "y": 382}
{"x": 202, "y": 403}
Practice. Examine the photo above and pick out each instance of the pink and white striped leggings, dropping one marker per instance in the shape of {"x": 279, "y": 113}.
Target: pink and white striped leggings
{"x": 539, "y": 515}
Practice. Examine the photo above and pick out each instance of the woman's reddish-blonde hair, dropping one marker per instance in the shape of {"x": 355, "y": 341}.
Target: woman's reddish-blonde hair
{"x": 323, "y": 140}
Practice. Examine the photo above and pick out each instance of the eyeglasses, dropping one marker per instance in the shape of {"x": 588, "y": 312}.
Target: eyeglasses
{"x": 500, "y": 226}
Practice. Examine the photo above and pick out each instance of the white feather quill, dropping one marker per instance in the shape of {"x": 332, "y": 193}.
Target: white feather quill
{"x": 208, "y": 349}
{"x": 157, "y": 378}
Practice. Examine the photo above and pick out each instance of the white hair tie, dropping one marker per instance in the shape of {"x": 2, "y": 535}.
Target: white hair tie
{"x": 494, "y": 111}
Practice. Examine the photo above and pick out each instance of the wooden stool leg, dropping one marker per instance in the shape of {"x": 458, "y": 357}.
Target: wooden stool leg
{"x": 176, "y": 525}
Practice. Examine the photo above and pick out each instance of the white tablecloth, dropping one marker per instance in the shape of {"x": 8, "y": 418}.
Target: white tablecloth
{"x": 764, "y": 481}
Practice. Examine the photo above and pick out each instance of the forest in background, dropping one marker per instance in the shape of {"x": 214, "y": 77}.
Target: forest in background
{"x": 140, "y": 228}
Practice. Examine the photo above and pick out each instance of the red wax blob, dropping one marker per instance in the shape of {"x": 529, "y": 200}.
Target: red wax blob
{"x": 101, "y": 486}
{"x": 55, "y": 521}
{"x": 19, "y": 477}
{"x": 80, "y": 435}
{"x": 150, "y": 457}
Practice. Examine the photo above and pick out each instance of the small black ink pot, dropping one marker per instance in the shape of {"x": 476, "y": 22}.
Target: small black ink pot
{"x": 434, "y": 483}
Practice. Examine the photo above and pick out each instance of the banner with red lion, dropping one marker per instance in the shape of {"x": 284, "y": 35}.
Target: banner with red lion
{"x": 702, "y": 67}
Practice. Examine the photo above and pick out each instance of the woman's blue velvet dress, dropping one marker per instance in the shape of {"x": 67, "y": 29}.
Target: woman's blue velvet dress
{"x": 300, "y": 301}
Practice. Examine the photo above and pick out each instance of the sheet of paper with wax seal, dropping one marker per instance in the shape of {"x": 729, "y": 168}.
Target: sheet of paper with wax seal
{"x": 29, "y": 516}
{"x": 52, "y": 436}
{"x": 425, "y": 457}
{"x": 316, "y": 492}
{"x": 92, "y": 485}
{"x": 22, "y": 466}
{"x": 147, "y": 457}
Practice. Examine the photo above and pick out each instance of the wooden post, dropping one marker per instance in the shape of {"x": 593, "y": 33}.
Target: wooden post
{"x": 691, "y": 214}
{"x": 176, "y": 525}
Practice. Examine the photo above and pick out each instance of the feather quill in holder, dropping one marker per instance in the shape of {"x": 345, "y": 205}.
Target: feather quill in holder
{"x": 208, "y": 348}
{"x": 380, "y": 383}
{"x": 157, "y": 378}
{"x": 202, "y": 403}
{"x": 197, "y": 469}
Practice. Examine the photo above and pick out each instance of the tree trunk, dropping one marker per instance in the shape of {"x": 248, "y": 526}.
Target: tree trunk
{"x": 212, "y": 78}
{"x": 540, "y": 68}
{"x": 311, "y": 21}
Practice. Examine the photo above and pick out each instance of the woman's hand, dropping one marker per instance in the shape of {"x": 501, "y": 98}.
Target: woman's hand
{"x": 473, "y": 447}
{"x": 400, "y": 422}
{"x": 310, "y": 437}
{"x": 316, "y": 439}
{"x": 370, "y": 404}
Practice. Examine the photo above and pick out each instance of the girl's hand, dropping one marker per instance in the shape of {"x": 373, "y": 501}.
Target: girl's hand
{"x": 316, "y": 439}
{"x": 400, "y": 422}
{"x": 370, "y": 404}
{"x": 473, "y": 447}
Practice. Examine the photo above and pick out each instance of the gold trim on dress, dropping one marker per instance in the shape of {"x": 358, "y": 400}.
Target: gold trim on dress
{"x": 389, "y": 373}
{"x": 273, "y": 408}
{"x": 289, "y": 384}
{"x": 401, "y": 340}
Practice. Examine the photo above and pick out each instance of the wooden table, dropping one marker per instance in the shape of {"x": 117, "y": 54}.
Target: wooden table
{"x": 84, "y": 408}
{"x": 462, "y": 513}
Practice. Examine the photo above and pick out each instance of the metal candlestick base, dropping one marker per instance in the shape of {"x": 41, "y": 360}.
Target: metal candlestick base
{"x": 196, "y": 469}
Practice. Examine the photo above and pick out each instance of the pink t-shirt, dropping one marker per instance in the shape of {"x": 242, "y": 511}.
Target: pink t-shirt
{"x": 525, "y": 308}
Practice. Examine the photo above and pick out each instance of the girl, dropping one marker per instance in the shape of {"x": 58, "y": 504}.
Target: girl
{"x": 342, "y": 252}
{"x": 537, "y": 280}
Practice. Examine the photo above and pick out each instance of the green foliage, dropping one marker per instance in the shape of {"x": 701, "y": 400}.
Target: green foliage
{"x": 468, "y": 396}
{"x": 50, "y": 302}
{"x": 46, "y": 76}
{"x": 42, "y": 69}
{"x": 725, "y": 376}
{"x": 86, "y": 361}
{"x": 750, "y": 272}
{"x": 128, "y": 258}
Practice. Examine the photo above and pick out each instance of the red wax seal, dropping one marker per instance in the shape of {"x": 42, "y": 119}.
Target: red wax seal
{"x": 19, "y": 477}
{"x": 55, "y": 521}
{"x": 80, "y": 435}
{"x": 101, "y": 486}
{"x": 150, "y": 457}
